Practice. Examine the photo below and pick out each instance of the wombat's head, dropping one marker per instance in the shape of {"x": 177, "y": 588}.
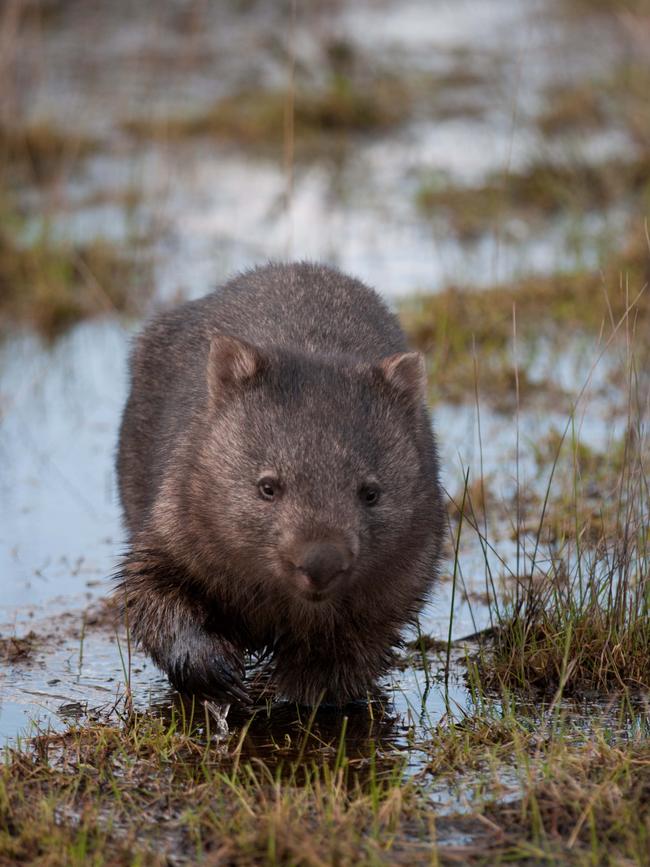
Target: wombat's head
{"x": 311, "y": 473}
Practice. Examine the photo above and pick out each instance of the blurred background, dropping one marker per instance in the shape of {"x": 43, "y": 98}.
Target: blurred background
{"x": 485, "y": 164}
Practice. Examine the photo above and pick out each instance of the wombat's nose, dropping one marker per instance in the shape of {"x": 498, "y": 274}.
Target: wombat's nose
{"x": 321, "y": 561}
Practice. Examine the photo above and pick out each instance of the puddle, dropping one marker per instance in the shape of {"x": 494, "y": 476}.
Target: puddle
{"x": 61, "y": 536}
{"x": 206, "y": 210}
{"x": 215, "y": 209}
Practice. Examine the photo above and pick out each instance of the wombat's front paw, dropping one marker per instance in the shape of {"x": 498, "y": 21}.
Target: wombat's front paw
{"x": 208, "y": 667}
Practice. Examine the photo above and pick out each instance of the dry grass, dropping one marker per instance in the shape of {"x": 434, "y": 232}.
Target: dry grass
{"x": 258, "y": 118}
{"x": 573, "y": 108}
{"x": 616, "y": 101}
{"x": 148, "y": 791}
{"x": 40, "y": 152}
{"x": 588, "y": 805}
{"x": 579, "y": 617}
{"x": 467, "y": 334}
{"x": 542, "y": 191}
{"x": 589, "y": 645}
{"x": 51, "y": 286}
{"x": 18, "y": 648}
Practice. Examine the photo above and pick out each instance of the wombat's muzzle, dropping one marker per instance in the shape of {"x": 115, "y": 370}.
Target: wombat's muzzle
{"x": 322, "y": 562}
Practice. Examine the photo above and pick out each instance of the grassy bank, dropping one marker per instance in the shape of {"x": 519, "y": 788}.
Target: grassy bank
{"x": 469, "y": 335}
{"x": 150, "y": 791}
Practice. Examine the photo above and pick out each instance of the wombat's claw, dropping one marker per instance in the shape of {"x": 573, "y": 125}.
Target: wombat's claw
{"x": 232, "y": 684}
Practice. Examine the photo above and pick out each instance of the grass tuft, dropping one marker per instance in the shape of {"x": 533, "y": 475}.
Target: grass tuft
{"x": 540, "y": 192}
{"x": 53, "y": 285}
{"x": 254, "y": 118}
{"x": 579, "y": 620}
{"x": 40, "y": 151}
{"x": 459, "y": 324}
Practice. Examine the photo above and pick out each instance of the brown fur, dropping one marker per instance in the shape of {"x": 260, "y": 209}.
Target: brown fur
{"x": 297, "y": 374}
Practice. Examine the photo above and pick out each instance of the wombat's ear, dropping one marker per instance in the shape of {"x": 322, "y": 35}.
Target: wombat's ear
{"x": 406, "y": 372}
{"x": 231, "y": 362}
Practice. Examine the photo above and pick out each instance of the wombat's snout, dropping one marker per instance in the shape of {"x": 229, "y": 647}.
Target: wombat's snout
{"x": 322, "y": 562}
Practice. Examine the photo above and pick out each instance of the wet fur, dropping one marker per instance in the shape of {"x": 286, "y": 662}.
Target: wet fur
{"x": 202, "y": 584}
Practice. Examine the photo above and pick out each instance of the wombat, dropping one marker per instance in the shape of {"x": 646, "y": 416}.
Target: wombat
{"x": 279, "y": 480}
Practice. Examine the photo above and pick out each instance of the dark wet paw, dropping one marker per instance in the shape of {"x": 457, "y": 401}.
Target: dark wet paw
{"x": 208, "y": 669}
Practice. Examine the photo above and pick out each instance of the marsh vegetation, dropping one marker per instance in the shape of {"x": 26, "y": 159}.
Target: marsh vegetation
{"x": 502, "y": 207}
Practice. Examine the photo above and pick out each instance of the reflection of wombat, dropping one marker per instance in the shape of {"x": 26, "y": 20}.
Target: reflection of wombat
{"x": 279, "y": 480}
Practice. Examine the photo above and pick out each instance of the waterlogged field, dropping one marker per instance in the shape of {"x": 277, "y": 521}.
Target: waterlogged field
{"x": 488, "y": 171}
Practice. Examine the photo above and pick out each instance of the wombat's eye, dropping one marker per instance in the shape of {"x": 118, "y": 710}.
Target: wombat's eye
{"x": 269, "y": 488}
{"x": 369, "y": 494}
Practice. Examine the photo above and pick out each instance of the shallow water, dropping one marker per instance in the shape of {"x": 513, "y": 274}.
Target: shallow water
{"x": 61, "y": 535}
{"x": 214, "y": 208}
{"x": 207, "y": 209}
